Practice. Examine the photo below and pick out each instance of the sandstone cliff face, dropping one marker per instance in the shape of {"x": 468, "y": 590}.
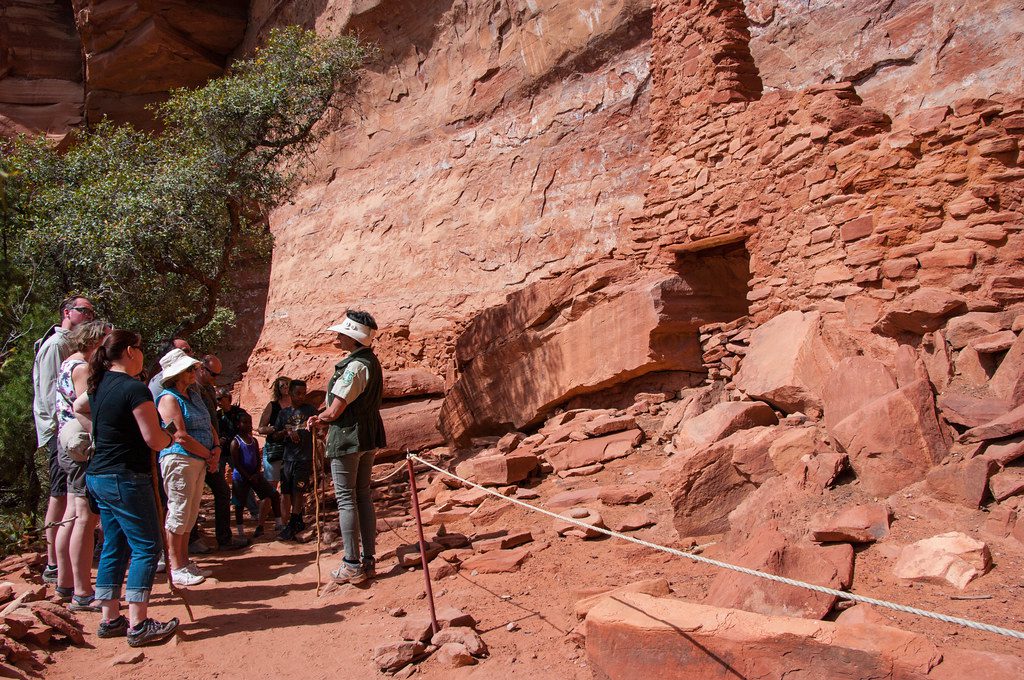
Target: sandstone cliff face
{"x": 494, "y": 145}
{"x": 901, "y": 56}
{"x": 501, "y": 144}
{"x": 40, "y": 68}
{"x": 65, "y": 62}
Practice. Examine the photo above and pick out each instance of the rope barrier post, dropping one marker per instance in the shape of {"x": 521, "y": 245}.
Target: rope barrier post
{"x": 423, "y": 546}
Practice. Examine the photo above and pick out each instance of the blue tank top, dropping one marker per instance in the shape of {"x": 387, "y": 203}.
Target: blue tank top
{"x": 197, "y": 421}
{"x": 249, "y": 455}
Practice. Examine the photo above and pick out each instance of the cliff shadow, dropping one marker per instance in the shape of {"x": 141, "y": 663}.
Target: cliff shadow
{"x": 251, "y": 284}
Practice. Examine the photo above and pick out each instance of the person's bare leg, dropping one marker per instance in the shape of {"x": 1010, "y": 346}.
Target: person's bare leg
{"x": 111, "y": 609}
{"x": 264, "y": 512}
{"x": 62, "y": 547}
{"x": 138, "y": 612}
{"x": 177, "y": 550}
{"x": 54, "y": 512}
{"x": 82, "y": 546}
{"x": 286, "y": 505}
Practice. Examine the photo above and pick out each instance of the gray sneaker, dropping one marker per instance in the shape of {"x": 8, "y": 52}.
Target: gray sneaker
{"x": 348, "y": 573}
{"x": 151, "y": 632}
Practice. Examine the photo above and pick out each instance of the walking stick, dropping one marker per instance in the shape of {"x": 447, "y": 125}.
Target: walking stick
{"x": 163, "y": 538}
{"x": 316, "y": 505}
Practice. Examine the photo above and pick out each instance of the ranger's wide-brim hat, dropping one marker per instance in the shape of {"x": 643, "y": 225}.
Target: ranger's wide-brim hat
{"x": 359, "y": 332}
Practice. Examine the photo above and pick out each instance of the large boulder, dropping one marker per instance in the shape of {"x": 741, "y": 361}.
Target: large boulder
{"x": 1008, "y": 381}
{"x": 769, "y": 550}
{"x": 787, "y": 363}
{"x": 411, "y": 382}
{"x": 639, "y": 636}
{"x": 952, "y": 558}
{"x": 721, "y": 421}
{"x": 893, "y": 441}
{"x": 923, "y": 311}
{"x": 853, "y": 383}
{"x": 576, "y": 454}
{"x": 565, "y": 337}
{"x": 1006, "y": 425}
{"x": 491, "y": 468}
{"x": 706, "y": 484}
{"x": 412, "y": 425}
{"x": 854, "y": 524}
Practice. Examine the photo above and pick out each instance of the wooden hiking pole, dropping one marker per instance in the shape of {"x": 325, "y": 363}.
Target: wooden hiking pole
{"x": 162, "y": 514}
{"x": 316, "y": 505}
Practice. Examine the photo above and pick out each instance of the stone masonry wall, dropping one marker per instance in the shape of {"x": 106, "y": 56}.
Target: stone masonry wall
{"x": 843, "y": 209}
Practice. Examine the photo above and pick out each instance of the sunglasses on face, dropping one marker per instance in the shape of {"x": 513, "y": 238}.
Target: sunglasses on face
{"x": 85, "y": 311}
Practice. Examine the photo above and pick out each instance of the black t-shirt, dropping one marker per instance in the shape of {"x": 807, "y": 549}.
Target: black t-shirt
{"x": 119, "y": 446}
{"x": 294, "y": 418}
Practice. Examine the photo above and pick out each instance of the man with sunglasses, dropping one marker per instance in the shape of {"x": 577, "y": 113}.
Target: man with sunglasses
{"x": 51, "y": 350}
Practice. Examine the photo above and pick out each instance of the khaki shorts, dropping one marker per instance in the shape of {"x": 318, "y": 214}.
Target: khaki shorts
{"x": 183, "y": 483}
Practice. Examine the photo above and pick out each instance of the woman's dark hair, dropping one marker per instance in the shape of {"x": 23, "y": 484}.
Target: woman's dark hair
{"x": 110, "y": 350}
{"x": 275, "y": 387}
{"x": 362, "y": 317}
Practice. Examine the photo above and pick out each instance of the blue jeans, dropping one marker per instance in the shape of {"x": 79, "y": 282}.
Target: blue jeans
{"x": 351, "y": 476}
{"x": 131, "y": 532}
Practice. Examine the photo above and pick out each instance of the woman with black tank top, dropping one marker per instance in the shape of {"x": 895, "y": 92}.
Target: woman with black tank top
{"x": 273, "y": 448}
{"x": 125, "y": 428}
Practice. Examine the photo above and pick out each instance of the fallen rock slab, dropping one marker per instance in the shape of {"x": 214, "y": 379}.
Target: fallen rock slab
{"x": 893, "y": 441}
{"x": 585, "y": 515}
{"x": 506, "y": 542}
{"x": 769, "y": 550}
{"x": 639, "y": 636}
{"x": 467, "y": 637}
{"x": 964, "y": 483}
{"x": 496, "y": 561}
{"x": 615, "y": 494}
{"x": 1006, "y": 425}
{"x": 394, "y": 656}
{"x": 787, "y": 363}
{"x": 636, "y": 519}
{"x": 720, "y": 421}
{"x": 970, "y": 411}
{"x": 706, "y": 485}
{"x": 498, "y": 469}
{"x": 657, "y": 587}
{"x": 1008, "y": 482}
{"x": 923, "y": 311}
{"x": 593, "y": 451}
{"x": 952, "y": 558}
{"x": 855, "y": 524}
{"x": 454, "y": 655}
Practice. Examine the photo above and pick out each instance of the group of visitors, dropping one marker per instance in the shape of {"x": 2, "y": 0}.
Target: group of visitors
{"x": 121, "y": 452}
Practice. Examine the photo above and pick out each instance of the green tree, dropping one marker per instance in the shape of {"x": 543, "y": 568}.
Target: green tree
{"x": 152, "y": 225}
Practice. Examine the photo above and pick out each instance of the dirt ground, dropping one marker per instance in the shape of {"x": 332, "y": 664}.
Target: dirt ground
{"x": 259, "y": 616}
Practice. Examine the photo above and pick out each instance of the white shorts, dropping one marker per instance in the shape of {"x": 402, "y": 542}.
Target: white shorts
{"x": 183, "y": 483}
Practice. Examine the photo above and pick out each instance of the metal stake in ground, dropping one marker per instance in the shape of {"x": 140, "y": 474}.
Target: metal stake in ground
{"x": 161, "y": 513}
{"x": 423, "y": 547}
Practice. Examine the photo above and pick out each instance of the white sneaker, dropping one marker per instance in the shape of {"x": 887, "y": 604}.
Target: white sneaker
{"x": 194, "y": 568}
{"x": 183, "y": 577}
{"x": 161, "y": 566}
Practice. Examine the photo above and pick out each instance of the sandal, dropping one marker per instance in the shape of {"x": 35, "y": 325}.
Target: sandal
{"x": 84, "y": 603}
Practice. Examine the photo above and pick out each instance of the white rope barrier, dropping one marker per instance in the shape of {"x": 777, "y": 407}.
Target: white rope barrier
{"x": 976, "y": 625}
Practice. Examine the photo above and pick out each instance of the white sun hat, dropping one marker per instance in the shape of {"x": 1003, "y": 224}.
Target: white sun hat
{"x": 175, "y": 363}
{"x": 361, "y": 333}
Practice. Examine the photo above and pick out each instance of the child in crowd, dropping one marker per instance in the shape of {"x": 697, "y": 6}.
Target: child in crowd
{"x": 297, "y": 469}
{"x": 247, "y": 476}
